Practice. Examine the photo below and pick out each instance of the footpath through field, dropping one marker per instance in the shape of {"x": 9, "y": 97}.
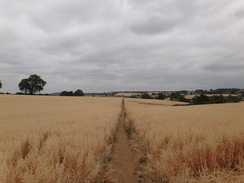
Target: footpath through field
{"x": 123, "y": 161}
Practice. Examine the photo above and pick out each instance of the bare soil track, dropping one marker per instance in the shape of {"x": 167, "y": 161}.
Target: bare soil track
{"x": 123, "y": 162}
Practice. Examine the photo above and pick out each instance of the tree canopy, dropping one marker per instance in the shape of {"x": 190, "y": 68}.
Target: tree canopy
{"x": 79, "y": 93}
{"x": 66, "y": 93}
{"x": 71, "y": 93}
{"x": 216, "y": 99}
{"x": 146, "y": 96}
{"x": 161, "y": 96}
{"x": 32, "y": 84}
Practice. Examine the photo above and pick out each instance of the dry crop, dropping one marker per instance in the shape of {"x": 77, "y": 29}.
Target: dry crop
{"x": 190, "y": 143}
{"x": 55, "y": 139}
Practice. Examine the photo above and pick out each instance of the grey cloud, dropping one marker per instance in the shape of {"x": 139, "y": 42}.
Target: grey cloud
{"x": 228, "y": 67}
{"x": 119, "y": 45}
{"x": 239, "y": 13}
{"x": 153, "y": 25}
{"x": 58, "y": 17}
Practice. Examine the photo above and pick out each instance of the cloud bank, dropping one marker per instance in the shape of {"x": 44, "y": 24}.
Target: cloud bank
{"x": 111, "y": 45}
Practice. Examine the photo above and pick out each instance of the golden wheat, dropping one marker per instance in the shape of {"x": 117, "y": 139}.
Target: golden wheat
{"x": 55, "y": 139}
{"x": 190, "y": 143}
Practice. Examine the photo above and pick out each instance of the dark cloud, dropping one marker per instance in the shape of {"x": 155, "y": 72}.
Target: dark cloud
{"x": 122, "y": 45}
{"x": 153, "y": 25}
{"x": 239, "y": 13}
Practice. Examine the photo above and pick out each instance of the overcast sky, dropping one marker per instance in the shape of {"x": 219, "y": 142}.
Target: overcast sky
{"x": 113, "y": 45}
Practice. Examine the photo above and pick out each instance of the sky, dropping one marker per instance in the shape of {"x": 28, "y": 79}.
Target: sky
{"x": 118, "y": 45}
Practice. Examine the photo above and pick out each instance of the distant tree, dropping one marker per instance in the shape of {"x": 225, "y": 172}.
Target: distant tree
{"x": 216, "y": 99}
{"x": 19, "y": 93}
{"x": 182, "y": 98}
{"x": 242, "y": 93}
{"x": 201, "y": 92}
{"x": 231, "y": 98}
{"x": 161, "y": 96}
{"x": 66, "y": 93}
{"x": 174, "y": 96}
{"x": 79, "y": 93}
{"x": 1, "y": 84}
{"x": 63, "y": 93}
{"x": 224, "y": 91}
{"x": 183, "y": 92}
{"x": 32, "y": 84}
{"x": 146, "y": 96}
{"x": 202, "y": 99}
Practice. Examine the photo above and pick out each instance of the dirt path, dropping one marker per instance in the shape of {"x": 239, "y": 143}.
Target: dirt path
{"x": 123, "y": 161}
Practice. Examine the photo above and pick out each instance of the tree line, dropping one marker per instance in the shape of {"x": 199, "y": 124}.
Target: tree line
{"x": 160, "y": 96}
{"x": 204, "y": 99}
{"x": 35, "y": 83}
{"x": 215, "y": 99}
{"x": 196, "y": 100}
{"x": 71, "y": 93}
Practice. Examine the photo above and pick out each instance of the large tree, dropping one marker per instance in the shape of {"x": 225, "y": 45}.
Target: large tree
{"x": 161, "y": 96}
{"x": 66, "y": 93}
{"x": 79, "y": 92}
{"x": 32, "y": 84}
{"x": 1, "y": 84}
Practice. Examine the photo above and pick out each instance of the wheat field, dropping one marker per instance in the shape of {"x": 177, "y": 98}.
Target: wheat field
{"x": 182, "y": 144}
{"x": 46, "y": 139}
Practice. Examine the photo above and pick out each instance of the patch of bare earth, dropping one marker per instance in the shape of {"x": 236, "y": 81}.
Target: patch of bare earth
{"x": 123, "y": 162}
